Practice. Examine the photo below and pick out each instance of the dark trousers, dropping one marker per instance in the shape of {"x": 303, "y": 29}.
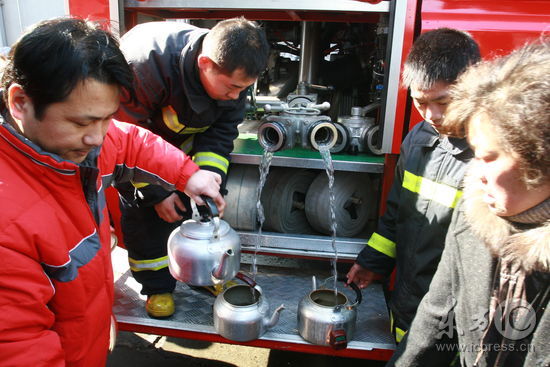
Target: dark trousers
{"x": 145, "y": 238}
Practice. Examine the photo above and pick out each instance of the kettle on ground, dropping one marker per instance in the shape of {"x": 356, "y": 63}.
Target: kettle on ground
{"x": 327, "y": 317}
{"x": 241, "y": 312}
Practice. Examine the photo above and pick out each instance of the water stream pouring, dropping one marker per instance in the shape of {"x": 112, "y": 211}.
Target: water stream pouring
{"x": 329, "y": 168}
{"x": 264, "y": 171}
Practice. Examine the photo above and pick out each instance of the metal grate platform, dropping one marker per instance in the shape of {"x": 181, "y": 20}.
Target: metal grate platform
{"x": 280, "y": 285}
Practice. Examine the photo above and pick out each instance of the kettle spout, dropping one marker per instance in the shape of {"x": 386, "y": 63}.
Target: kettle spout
{"x": 219, "y": 271}
{"x": 275, "y": 317}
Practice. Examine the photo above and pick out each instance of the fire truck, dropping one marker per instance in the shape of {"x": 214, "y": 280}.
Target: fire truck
{"x": 342, "y": 60}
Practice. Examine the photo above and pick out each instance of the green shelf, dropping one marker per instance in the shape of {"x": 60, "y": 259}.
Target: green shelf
{"x": 247, "y": 144}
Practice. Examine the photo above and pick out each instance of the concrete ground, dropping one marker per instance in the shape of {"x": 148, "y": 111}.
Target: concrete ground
{"x": 141, "y": 350}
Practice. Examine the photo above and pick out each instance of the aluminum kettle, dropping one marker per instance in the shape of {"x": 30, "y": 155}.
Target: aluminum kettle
{"x": 241, "y": 313}
{"x": 326, "y": 318}
{"x": 204, "y": 250}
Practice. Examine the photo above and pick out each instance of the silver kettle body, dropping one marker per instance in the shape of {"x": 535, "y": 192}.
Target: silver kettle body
{"x": 241, "y": 313}
{"x": 326, "y": 318}
{"x": 204, "y": 250}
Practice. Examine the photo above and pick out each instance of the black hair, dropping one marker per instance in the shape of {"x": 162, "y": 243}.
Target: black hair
{"x": 440, "y": 55}
{"x": 239, "y": 43}
{"x": 50, "y": 59}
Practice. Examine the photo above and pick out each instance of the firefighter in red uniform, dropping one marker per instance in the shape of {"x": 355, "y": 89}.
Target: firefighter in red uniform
{"x": 59, "y": 151}
{"x": 191, "y": 86}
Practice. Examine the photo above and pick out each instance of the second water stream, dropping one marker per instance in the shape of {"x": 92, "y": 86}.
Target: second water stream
{"x": 265, "y": 163}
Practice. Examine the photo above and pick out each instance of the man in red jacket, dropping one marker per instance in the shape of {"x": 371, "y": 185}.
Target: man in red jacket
{"x": 59, "y": 151}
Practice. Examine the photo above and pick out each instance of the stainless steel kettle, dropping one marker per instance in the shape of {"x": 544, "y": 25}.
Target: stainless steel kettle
{"x": 326, "y": 317}
{"x": 241, "y": 313}
{"x": 204, "y": 250}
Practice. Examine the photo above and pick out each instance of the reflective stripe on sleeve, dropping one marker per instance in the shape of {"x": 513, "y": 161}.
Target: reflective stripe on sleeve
{"x": 187, "y": 144}
{"x": 211, "y": 159}
{"x": 194, "y": 130}
{"x": 441, "y": 193}
{"x": 382, "y": 244}
{"x": 397, "y": 332}
{"x": 152, "y": 264}
{"x": 170, "y": 119}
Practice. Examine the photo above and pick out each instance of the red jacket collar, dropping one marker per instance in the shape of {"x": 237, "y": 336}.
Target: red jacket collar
{"x": 33, "y": 152}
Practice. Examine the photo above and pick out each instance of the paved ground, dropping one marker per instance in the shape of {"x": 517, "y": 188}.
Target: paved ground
{"x": 143, "y": 350}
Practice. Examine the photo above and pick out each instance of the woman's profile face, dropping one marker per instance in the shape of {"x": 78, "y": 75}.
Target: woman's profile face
{"x": 498, "y": 172}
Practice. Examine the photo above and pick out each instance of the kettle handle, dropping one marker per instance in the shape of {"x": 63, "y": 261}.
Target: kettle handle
{"x": 210, "y": 206}
{"x": 211, "y": 213}
{"x": 359, "y": 296}
{"x": 245, "y": 278}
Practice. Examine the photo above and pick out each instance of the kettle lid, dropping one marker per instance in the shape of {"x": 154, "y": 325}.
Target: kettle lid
{"x": 203, "y": 229}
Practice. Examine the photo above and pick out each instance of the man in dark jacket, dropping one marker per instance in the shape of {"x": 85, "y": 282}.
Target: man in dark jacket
{"x": 426, "y": 188}
{"x": 191, "y": 88}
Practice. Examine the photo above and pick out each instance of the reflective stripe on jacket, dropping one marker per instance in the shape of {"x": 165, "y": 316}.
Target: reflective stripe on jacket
{"x": 411, "y": 234}
{"x": 171, "y": 99}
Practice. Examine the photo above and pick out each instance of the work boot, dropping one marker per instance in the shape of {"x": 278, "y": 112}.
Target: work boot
{"x": 160, "y": 305}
